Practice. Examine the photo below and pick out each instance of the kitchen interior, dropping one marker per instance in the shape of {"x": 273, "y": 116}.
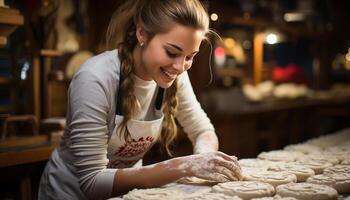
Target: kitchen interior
{"x": 276, "y": 73}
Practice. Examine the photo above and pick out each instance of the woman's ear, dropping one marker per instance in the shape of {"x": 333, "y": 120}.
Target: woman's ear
{"x": 141, "y": 34}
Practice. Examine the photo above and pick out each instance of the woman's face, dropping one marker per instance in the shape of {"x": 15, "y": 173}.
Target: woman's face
{"x": 169, "y": 54}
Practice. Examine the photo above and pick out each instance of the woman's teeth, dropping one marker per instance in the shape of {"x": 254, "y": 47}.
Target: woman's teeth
{"x": 170, "y": 75}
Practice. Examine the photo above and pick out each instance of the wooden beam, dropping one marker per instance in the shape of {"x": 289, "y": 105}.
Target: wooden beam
{"x": 258, "y": 56}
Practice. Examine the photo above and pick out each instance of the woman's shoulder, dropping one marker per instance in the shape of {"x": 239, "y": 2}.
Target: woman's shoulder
{"x": 103, "y": 66}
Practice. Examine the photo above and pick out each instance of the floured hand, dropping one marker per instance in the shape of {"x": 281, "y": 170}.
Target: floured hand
{"x": 216, "y": 166}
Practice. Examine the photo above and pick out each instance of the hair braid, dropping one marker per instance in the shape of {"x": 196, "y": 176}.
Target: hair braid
{"x": 130, "y": 102}
{"x": 169, "y": 129}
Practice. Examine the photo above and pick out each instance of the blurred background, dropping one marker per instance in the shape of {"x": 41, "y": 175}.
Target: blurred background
{"x": 278, "y": 73}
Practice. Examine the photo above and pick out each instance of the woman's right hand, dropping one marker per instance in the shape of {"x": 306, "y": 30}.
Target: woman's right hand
{"x": 216, "y": 166}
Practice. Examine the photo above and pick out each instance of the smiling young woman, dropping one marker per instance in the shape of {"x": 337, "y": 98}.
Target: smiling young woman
{"x": 124, "y": 100}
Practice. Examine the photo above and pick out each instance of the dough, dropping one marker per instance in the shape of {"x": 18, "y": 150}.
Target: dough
{"x": 245, "y": 189}
{"x": 300, "y": 171}
{"x": 341, "y": 152}
{"x": 342, "y": 182}
{"x": 273, "y": 178}
{"x": 212, "y": 196}
{"x": 196, "y": 181}
{"x": 254, "y": 162}
{"x": 322, "y": 156}
{"x": 307, "y": 191}
{"x": 154, "y": 194}
{"x": 280, "y": 155}
{"x": 321, "y": 179}
{"x": 338, "y": 169}
{"x": 346, "y": 161}
{"x": 303, "y": 148}
{"x": 247, "y": 171}
{"x": 276, "y": 197}
{"x": 317, "y": 165}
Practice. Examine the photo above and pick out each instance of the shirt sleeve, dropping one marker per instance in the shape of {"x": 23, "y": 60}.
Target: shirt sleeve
{"x": 190, "y": 114}
{"x": 88, "y": 108}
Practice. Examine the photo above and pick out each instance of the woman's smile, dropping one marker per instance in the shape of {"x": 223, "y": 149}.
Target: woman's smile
{"x": 167, "y": 75}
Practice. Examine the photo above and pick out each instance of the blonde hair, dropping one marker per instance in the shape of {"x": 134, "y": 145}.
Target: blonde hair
{"x": 155, "y": 16}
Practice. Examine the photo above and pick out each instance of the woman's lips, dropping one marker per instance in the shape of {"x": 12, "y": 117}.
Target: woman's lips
{"x": 170, "y": 76}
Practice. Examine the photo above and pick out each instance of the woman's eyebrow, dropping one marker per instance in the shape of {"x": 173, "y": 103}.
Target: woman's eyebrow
{"x": 179, "y": 48}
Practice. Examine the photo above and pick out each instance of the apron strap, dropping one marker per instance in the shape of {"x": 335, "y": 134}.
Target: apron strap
{"x": 119, "y": 104}
{"x": 159, "y": 99}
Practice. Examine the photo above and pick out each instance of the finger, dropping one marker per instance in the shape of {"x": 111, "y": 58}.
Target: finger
{"x": 232, "y": 168}
{"x": 225, "y": 172}
{"x": 230, "y": 158}
{"x": 218, "y": 177}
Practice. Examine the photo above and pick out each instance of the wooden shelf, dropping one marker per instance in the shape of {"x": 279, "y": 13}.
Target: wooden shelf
{"x": 50, "y": 52}
{"x": 9, "y": 20}
{"x": 234, "y": 72}
{"x": 10, "y": 16}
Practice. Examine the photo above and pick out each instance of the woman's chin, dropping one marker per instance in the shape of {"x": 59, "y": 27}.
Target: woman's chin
{"x": 164, "y": 84}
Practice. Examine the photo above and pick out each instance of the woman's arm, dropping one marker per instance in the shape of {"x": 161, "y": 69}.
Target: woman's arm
{"x": 206, "y": 142}
{"x": 215, "y": 166}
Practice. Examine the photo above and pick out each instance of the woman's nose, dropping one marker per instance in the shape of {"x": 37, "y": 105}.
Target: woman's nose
{"x": 179, "y": 65}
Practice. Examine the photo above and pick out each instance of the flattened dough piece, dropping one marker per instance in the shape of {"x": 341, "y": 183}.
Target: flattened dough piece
{"x": 280, "y": 155}
{"x": 317, "y": 165}
{"x": 276, "y": 197}
{"x": 307, "y": 191}
{"x": 303, "y": 148}
{"x": 212, "y": 196}
{"x": 154, "y": 194}
{"x": 321, "y": 179}
{"x": 245, "y": 189}
{"x": 338, "y": 169}
{"x": 300, "y": 171}
{"x": 273, "y": 178}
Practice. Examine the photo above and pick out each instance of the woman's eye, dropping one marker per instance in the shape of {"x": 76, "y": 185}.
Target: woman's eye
{"x": 171, "y": 55}
{"x": 189, "y": 58}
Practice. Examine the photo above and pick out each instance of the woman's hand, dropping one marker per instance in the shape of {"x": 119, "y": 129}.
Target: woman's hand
{"x": 216, "y": 166}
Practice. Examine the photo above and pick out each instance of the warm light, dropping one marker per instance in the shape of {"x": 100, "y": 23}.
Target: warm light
{"x": 219, "y": 52}
{"x": 229, "y": 43}
{"x": 294, "y": 17}
{"x": 347, "y": 56}
{"x": 271, "y": 38}
{"x": 214, "y": 17}
{"x": 220, "y": 56}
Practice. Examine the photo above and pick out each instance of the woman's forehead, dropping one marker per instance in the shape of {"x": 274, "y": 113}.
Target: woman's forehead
{"x": 185, "y": 37}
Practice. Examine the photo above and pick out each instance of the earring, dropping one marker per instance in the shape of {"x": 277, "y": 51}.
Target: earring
{"x": 141, "y": 44}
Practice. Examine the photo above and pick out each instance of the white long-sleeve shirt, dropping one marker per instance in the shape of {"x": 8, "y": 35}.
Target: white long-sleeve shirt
{"x": 91, "y": 113}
